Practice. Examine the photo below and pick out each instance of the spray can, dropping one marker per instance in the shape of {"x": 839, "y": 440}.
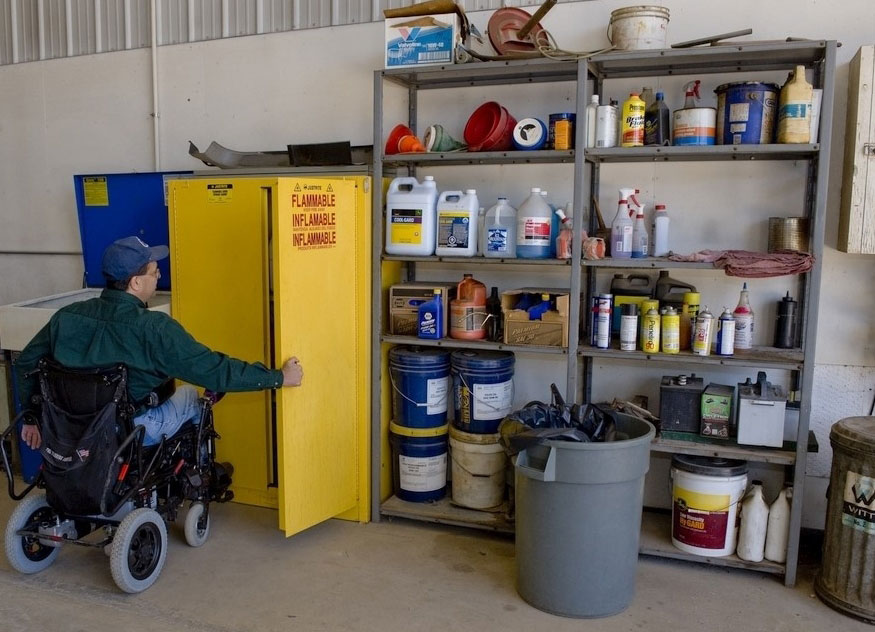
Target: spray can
{"x": 785, "y": 325}
{"x": 694, "y": 125}
{"x": 671, "y": 334}
{"x": 725, "y": 334}
{"x": 744, "y": 320}
{"x": 643, "y": 308}
{"x": 650, "y": 326}
{"x": 629, "y": 327}
{"x": 606, "y": 126}
{"x": 603, "y": 321}
{"x": 702, "y": 333}
{"x": 691, "y": 300}
{"x": 633, "y": 121}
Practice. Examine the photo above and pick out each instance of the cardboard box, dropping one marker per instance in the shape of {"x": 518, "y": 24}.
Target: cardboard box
{"x": 550, "y": 331}
{"x": 404, "y": 302}
{"x": 424, "y": 40}
{"x": 717, "y": 411}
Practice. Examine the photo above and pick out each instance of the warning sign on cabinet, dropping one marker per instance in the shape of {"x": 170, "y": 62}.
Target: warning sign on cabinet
{"x": 314, "y": 216}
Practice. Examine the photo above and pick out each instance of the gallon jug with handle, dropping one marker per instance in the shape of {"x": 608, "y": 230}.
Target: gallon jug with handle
{"x": 468, "y": 310}
{"x": 671, "y": 291}
{"x": 410, "y": 216}
{"x": 534, "y": 227}
{"x": 457, "y": 215}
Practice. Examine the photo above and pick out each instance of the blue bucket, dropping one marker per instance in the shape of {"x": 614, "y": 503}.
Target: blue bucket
{"x": 746, "y": 112}
{"x": 420, "y": 386}
{"x": 420, "y": 471}
{"x": 482, "y": 389}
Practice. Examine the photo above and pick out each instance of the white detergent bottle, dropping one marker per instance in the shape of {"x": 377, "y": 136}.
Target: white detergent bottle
{"x": 660, "y": 231}
{"x": 621, "y": 232}
{"x": 410, "y": 216}
{"x": 457, "y": 224}
{"x": 754, "y": 522}
{"x": 498, "y": 238}
{"x": 778, "y": 531}
{"x": 534, "y": 224}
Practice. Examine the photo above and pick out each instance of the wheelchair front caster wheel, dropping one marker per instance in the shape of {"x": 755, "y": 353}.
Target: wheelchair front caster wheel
{"x": 139, "y": 550}
{"x": 25, "y": 553}
{"x": 197, "y": 524}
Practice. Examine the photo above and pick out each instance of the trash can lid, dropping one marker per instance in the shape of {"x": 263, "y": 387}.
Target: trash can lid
{"x": 709, "y": 466}
{"x": 854, "y": 433}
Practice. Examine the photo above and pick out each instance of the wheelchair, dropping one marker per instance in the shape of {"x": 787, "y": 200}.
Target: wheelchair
{"x": 100, "y": 487}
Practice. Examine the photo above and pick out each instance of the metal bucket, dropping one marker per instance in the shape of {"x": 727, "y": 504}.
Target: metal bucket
{"x": 846, "y": 580}
{"x": 788, "y": 233}
{"x": 638, "y": 28}
{"x": 746, "y": 112}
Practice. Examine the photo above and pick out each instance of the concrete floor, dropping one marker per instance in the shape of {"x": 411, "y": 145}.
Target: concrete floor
{"x": 395, "y": 575}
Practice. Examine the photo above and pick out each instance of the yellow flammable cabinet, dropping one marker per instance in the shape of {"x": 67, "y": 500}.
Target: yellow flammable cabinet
{"x": 265, "y": 268}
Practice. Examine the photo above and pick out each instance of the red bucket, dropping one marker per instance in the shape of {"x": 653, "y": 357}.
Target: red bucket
{"x": 490, "y": 128}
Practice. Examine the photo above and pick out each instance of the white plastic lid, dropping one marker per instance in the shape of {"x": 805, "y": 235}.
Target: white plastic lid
{"x": 544, "y": 192}
{"x": 428, "y": 178}
{"x": 594, "y": 99}
{"x": 536, "y": 190}
{"x": 470, "y": 191}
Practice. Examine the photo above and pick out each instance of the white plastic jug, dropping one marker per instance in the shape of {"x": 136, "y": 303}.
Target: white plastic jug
{"x": 498, "y": 238}
{"x": 754, "y": 522}
{"x": 534, "y": 224}
{"x": 410, "y": 216}
{"x": 778, "y": 531}
{"x": 457, "y": 224}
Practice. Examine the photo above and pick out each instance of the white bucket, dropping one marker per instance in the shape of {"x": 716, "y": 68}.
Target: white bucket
{"x": 706, "y": 494}
{"x": 478, "y": 469}
{"x": 638, "y": 28}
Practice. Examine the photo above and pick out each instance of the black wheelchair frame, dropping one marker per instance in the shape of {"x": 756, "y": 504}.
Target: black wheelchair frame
{"x": 142, "y": 479}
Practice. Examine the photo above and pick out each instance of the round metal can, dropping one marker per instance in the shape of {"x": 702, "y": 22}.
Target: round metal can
{"x": 629, "y": 327}
{"x": 788, "y": 233}
{"x": 671, "y": 331}
{"x": 702, "y": 333}
{"x": 746, "y": 112}
{"x": 603, "y": 321}
{"x": 562, "y": 130}
{"x": 725, "y": 334}
{"x": 650, "y": 332}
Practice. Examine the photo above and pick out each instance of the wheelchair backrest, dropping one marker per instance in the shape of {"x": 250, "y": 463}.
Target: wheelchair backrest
{"x": 82, "y": 392}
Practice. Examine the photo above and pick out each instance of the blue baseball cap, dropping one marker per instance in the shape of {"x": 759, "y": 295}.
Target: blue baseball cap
{"x": 123, "y": 258}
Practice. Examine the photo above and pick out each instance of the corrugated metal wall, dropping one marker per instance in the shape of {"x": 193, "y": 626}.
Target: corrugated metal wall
{"x": 31, "y": 30}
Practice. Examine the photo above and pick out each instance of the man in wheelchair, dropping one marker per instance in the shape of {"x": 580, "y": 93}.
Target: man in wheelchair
{"x": 122, "y": 450}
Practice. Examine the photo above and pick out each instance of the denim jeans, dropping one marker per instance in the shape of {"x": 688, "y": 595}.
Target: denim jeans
{"x": 170, "y": 416}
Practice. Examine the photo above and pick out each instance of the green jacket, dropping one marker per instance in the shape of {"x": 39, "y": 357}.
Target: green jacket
{"x": 117, "y": 328}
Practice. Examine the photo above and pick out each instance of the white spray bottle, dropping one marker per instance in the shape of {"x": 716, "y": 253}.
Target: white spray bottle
{"x": 629, "y": 196}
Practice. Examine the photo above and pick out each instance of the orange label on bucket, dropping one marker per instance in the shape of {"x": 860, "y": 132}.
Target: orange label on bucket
{"x": 700, "y": 520}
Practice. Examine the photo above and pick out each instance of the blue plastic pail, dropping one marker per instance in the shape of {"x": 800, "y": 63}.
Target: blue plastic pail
{"x": 482, "y": 389}
{"x": 420, "y": 386}
{"x": 746, "y": 112}
{"x": 420, "y": 471}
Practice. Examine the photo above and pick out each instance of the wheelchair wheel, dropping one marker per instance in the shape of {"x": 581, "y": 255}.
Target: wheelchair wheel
{"x": 139, "y": 550}
{"x": 27, "y": 554}
{"x": 197, "y": 524}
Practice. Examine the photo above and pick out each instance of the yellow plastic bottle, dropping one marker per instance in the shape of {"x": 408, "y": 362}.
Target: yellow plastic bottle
{"x": 794, "y": 109}
{"x": 633, "y": 121}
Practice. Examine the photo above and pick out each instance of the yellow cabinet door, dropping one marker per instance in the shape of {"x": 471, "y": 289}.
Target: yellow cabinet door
{"x": 317, "y": 288}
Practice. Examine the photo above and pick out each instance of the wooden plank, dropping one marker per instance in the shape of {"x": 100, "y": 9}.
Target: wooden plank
{"x": 726, "y": 450}
{"x": 857, "y": 218}
{"x": 445, "y": 512}
{"x": 656, "y": 541}
{"x": 767, "y": 357}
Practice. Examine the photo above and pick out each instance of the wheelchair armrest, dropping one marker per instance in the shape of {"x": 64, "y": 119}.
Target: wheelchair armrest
{"x": 7, "y": 468}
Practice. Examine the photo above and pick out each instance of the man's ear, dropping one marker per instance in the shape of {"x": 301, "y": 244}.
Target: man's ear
{"x": 135, "y": 283}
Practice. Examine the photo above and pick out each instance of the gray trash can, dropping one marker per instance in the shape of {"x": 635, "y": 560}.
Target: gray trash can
{"x": 578, "y": 520}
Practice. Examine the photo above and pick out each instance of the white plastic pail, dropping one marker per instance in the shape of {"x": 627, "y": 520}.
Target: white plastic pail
{"x": 478, "y": 469}
{"x": 638, "y": 28}
{"x": 706, "y": 493}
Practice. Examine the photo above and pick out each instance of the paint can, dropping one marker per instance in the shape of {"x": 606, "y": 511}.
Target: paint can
{"x": 706, "y": 494}
{"x": 671, "y": 331}
{"x": 746, "y": 112}
{"x": 420, "y": 379}
{"x": 562, "y": 130}
{"x": 629, "y": 327}
{"x": 638, "y": 28}
{"x": 420, "y": 472}
{"x": 694, "y": 126}
{"x": 788, "y": 233}
{"x": 650, "y": 331}
{"x": 725, "y": 334}
{"x": 482, "y": 389}
{"x": 529, "y": 134}
{"x": 702, "y": 333}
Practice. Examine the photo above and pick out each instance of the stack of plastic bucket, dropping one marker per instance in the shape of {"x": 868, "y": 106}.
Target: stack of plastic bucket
{"x": 483, "y": 396}
{"x": 420, "y": 391}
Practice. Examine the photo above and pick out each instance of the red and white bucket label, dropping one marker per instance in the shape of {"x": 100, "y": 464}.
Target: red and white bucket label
{"x": 700, "y": 520}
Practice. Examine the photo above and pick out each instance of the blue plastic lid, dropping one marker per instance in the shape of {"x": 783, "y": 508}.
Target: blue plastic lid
{"x": 482, "y": 360}
{"x": 659, "y": 95}
{"x": 419, "y": 357}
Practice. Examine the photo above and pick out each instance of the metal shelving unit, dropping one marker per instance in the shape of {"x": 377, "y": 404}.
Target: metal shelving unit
{"x": 587, "y": 163}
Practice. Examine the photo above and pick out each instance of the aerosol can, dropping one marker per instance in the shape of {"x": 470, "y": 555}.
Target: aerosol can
{"x": 694, "y": 125}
